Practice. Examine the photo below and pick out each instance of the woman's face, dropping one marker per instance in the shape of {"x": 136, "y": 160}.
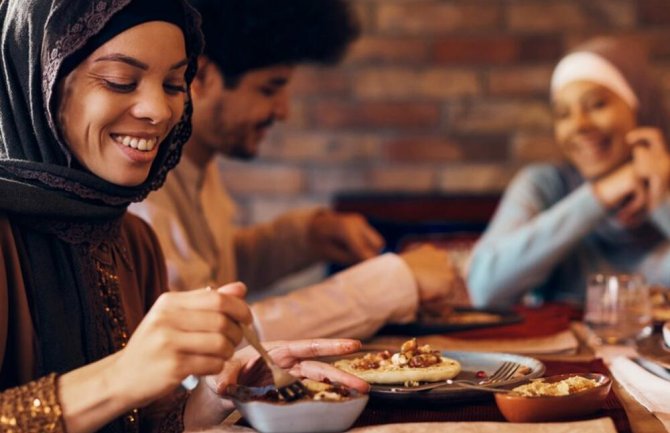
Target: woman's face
{"x": 590, "y": 123}
{"x": 117, "y": 107}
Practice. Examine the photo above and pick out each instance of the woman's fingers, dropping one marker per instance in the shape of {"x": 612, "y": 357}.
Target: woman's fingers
{"x": 204, "y": 343}
{"x": 199, "y": 365}
{"x": 652, "y": 163}
{"x": 227, "y": 376}
{"x": 285, "y": 353}
{"x": 319, "y": 371}
{"x": 237, "y": 289}
{"x": 650, "y": 138}
{"x": 206, "y": 300}
{"x": 207, "y": 321}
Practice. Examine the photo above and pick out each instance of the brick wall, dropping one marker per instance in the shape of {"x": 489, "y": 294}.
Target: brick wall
{"x": 437, "y": 95}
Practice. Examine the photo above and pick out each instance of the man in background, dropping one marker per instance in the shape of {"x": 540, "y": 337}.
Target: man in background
{"x": 252, "y": 48}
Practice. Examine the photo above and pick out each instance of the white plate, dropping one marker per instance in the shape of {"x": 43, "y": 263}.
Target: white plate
{"x": 471, "y": 363}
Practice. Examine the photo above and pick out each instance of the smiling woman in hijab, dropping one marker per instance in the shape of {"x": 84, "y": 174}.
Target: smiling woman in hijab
{"x": 94, "y": 111}
{"x": 607, "y": 209}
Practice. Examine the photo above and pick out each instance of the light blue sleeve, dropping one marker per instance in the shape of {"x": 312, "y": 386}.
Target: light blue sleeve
{"x": 660, "y": 217}
{"x": 533, "y": 230}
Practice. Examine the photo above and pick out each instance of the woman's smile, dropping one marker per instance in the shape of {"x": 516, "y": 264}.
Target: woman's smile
{"x": 120, "y": 103}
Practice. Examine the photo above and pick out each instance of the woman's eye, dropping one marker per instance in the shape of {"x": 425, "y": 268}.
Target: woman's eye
{"x": 175, "y": 88}
{"x": 120, "y": 87}
{"x": 597, "y": 104}
{"x": 560, "y": 114}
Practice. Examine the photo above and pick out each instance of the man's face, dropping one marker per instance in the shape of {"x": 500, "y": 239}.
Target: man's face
{"x": 233, "y": 121}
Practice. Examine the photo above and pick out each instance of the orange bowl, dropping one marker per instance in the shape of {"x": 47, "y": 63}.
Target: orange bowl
{"x": 517, "y": 408}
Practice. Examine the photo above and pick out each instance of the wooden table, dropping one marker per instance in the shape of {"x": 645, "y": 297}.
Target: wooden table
{"x": 640, "y": 420}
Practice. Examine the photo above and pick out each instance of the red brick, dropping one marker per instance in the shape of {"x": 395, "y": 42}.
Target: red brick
{"x": 256, "y": 178}
{"x": 617, "y": 13}
{"x": 322, "y": 147}
{"x": 540, "y": 48}
{"x": 404, "y": 83}
{"x": 422, "y": 17}
{"x": 481, "y": 147}
{"x": 475, "y": 177}
{"x": 363, "y": 14}
{"x": 421, "y": 149}
{"x": 261, "y": 209}
{"x": 546, "y": 16}
{"x": 654, "y": 12}
{"x": 332, "y": 180}
{"x": 308, "y": 81}
{"x": 379, "y": 49}
{"x": 500, "y": 116}
{"x": 497, "y": 50}
{"x": 410, "y": 178}
{"x": 520, "y": 81}
{"x": 530, "y": 146}
{"x": 447, "y": 149}
{"x": 297, "y": 118}
{"x": 396, "y": 115}
{"x": 658, "y": 43}
{"x": 477, "y": 50}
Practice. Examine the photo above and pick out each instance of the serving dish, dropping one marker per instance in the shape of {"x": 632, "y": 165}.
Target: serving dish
{"x": 472, "y": 363}
{"x": 460, "y": 319}
{"x": 301, "y": 416}
{"x": 517, "y": 408}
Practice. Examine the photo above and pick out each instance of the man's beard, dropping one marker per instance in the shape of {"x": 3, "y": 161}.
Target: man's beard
{"x": 240, "y": 150}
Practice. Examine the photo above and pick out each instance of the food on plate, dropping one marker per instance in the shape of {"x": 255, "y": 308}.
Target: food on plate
{"x": 453, "y": 316}
{"x": 413, "y": 364}
{"x": 319, "y": 391}
{"x": 570, "y": 385}
{"x": 660, "y": 303}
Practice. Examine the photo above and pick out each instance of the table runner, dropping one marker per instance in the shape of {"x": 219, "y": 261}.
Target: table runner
{"x": 546, "y": 320}
{"x": 381, "y": 411}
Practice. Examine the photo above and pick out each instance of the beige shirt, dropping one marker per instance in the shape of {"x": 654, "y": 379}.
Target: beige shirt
{"x": 193, "y": 217}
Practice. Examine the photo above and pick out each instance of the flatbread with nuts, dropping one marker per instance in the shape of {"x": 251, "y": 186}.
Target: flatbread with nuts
{"x": 411, "y": 365}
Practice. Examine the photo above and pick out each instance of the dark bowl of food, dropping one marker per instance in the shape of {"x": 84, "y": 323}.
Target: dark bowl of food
{"x": 327, "y": 408}
{"x": 555, "y": 398}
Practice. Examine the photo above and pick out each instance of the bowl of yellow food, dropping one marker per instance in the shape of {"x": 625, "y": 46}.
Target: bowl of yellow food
{"x": 555, "y": 398}
{"x": 327, "y": 407}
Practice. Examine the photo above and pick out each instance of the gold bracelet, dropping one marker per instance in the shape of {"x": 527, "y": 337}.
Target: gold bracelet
{"x": 32, "y": 408}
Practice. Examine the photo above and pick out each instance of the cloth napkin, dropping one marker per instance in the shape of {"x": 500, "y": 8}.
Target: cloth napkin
{"x": 561, "y": 342}
{"x": 601, "y": 425}
{"x": 648, "y": 389}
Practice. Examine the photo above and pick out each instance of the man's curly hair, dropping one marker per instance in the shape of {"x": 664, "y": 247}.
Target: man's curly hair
{"x": 243, "y": 35}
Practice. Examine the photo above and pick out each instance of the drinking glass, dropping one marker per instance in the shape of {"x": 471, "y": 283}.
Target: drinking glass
{"x": 618, "y": 307}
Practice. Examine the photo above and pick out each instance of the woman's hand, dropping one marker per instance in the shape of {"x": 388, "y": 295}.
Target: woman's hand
{"x": 625, "y": 192}
{"x": 651, "y": 162}
{"x": 247, "y": 368}
{"x": 206, "y": 407}
{"x": 184, "y": 333}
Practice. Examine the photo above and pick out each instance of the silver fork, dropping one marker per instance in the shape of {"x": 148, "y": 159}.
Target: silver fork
{"x": 503, "y": 373}
{"x": 288, "y": 386}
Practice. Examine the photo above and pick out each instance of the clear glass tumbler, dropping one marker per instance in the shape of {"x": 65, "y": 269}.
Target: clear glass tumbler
{"x": 618, "y": 307}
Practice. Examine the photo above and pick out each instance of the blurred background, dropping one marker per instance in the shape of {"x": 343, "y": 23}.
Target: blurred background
{"x": 445, "y": 96}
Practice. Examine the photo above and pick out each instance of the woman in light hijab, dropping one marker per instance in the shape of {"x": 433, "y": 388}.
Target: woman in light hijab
{"x": 94, "y": 111}
{"x": 607, "y": 209}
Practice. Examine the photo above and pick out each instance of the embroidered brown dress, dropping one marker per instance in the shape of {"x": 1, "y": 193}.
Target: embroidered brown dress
{"x": 77, "y": 273}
